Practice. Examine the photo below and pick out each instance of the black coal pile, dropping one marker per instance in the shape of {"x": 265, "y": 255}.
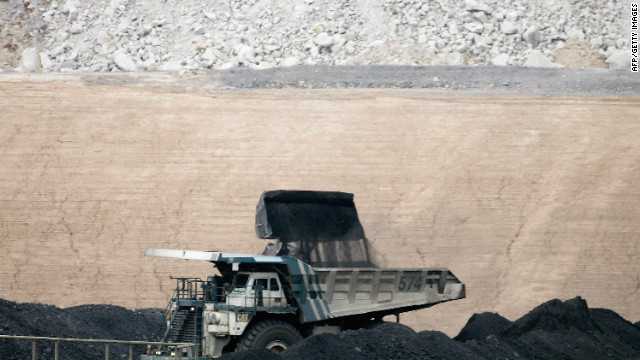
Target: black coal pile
{"x": 563, "y": 330}
{"x": 553, "y": 330}
{"x": 387, "y": 341}
{"x": 84, "y": 322}
{"x": 480, "y": 326}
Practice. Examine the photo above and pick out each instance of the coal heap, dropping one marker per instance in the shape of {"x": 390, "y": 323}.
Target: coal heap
{"x": 482, "y": 325}
{"x": 554, "y": 330}
{"x": 320, "y": 228}
{"x": 84, "y": 322}
{"x": 557, "y": 330}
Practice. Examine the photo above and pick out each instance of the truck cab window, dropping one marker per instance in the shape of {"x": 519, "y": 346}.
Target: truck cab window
{"x": 240, "y": 283}
{"x": 260, "y": 284}
{"x": 273, "y": 285}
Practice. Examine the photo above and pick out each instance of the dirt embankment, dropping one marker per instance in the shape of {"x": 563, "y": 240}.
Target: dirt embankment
{"x": 524, "y": 199}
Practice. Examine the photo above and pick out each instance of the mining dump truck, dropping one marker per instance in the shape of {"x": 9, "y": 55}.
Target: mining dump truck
{"x": 318, "y": 276}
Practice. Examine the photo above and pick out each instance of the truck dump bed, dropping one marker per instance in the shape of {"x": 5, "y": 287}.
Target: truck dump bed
{"x": 386, "y": 291}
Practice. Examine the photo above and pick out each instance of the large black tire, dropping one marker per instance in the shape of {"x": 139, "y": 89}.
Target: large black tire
{"x": 273, "y": 335}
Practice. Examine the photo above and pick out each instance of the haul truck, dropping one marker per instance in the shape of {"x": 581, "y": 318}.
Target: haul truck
{"x": 317, "y": 277}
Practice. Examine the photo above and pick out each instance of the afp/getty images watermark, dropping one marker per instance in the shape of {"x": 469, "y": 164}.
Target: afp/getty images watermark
{"x": 634, "y": 37}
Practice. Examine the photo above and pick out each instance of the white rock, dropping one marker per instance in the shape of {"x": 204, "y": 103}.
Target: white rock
{"x": 480, "y": 16}
{"x": 61, "y": 36}
{"x": 290, "y": 61}
{"x": 350, "y": 48}
{"x": 66, "y": 8}
{"x": 474, "y": 27}
{"x": 76, "y": 29}
{"x": 103, "y": 37}
{"x": 68, "y": 65}
{"x": 500, "y": 60}
{"x": 309, "y": 44}
{"x": 123, "y": 61}
{"x": 532, "y": 35}
{"x": 511, "y": 16}
{"x": 147, "y": 29}
{"x": 508, "y": 27}
{"x": 73, "y": 14}
{"x": 576, "y": 34}
{"x": 454, "y": 59}
{"x": 537, "y": 59}
{"x": 474, "y": 6}
{"x": 461, "y": 48}
{"x": 210, "y": 55}
{"x": 198, "y": 29}
{"x": 58, "y": 50}
{"x": 620, "y": 60}
{"x": 149, "y": 64}
{"x": 323, "y": 40}
{"x": 30, "y": 61}
{"x": 245, "y": 54}
{"x": 339, "y": 40}
{"x": 453, "y": 27}
{"x": 110, "y": 47}
{"x": 46, "y": 62}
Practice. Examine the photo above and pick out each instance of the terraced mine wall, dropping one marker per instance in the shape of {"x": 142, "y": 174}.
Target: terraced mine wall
{"x": 524, "y": 199}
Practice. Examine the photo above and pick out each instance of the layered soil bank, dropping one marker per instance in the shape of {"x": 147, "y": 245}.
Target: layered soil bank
{"x": 524, "y": 198}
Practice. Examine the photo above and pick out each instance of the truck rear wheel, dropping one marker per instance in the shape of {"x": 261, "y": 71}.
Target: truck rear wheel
{"x": 273, "y": 335}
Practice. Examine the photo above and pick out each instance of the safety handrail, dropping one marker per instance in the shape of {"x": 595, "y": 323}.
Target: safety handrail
{"x": 56, "y": 340}
{"x": 162, "y": 322}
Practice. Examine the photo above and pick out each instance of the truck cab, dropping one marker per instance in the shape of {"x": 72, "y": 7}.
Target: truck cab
{"x": 259, "y": 290}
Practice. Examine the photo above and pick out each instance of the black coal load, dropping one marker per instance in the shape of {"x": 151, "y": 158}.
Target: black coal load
{"x": 83, "y": 322}
{"x": 321, "y": 228}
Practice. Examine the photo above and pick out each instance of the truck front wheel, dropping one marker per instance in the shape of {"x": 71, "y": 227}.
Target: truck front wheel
{"x": 273, "y": 335}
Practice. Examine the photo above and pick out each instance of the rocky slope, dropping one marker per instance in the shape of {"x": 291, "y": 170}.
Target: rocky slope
{"x": 133, "y": 35}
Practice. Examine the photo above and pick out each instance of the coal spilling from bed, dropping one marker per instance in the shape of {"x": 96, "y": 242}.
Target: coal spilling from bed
{"x": 320, "y": 228}
{"x": 554, "y": 330}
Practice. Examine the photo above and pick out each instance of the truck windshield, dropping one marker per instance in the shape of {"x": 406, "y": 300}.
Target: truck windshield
{"x": 240, "y": 282}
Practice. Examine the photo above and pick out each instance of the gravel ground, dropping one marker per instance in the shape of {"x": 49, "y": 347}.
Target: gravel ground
{"x": 483, "y": 81}
{"x": 494, "y": 80}
{"x": 553, "y": 330}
